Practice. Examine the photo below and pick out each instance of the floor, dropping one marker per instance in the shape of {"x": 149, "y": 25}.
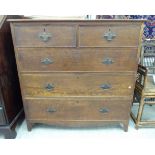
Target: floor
{"x": 110, "y": 132}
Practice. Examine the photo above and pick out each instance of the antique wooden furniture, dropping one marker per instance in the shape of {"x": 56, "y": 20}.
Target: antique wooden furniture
{"x": 77, "y": 73}
{"x": 144, "y": 94}
{"x": 10, "y": 96}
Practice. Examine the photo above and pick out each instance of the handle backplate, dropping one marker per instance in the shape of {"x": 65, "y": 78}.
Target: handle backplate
{"x": 109, "y": 36}
{"x": 49, "y": 87}
{"x": 51, "y": 110}
{"x": 105, "y": 86}
{"x": 107, "y": 61}
{"x": 47, "y": 61}
{"x": 44, "y": 36}
{"x": 104, "y": 110}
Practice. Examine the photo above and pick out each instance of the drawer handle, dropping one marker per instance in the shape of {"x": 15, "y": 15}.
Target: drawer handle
{"x": 49, "y": 87}
{"x": 109, "y": 35}
{"x": 105, "y": 86}
{"x": 51, "y": 110}
{"x": 107, "y": 61}
{"x": 45, "y": 36}
{"x": 47, "y": 61}
{"x": 104, "y": 110}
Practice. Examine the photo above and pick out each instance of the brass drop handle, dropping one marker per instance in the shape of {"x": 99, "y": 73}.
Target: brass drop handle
{"x": 44, "y": 36}
{"x": 107, "y": 61}
{"x": 51, "y": 110}
{"x": 109, "y": 36}
{"x": 46, "y": 61}
{"x": 105, "y": 86}
{"x": 49, "y": 87}
{"x": 104, "y": 110}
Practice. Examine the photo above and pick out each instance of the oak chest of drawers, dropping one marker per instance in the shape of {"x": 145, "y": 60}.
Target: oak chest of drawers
{"x": 77, "y": 73}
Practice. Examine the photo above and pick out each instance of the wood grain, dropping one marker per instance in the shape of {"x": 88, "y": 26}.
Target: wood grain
{"x": 61, "y": 36}
{"x": 77, "y": 84}
{"x": 71, "y": 59}
{"x": 77, "y": 109}
{"x": 77, "y": 49}
{"x": 93, "y": 36}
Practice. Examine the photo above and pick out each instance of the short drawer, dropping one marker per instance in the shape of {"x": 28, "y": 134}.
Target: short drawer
{"x": 56, "y": 59}
{"x": 77, "y": 109}
{"x": 2, "y": 117}
{"x": 43, "y": 35}
{"x": 77, "y": 84}
{"x": 109, "y": 35}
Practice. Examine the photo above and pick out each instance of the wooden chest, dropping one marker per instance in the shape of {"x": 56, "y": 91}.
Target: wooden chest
{"x": 77, "y": 73}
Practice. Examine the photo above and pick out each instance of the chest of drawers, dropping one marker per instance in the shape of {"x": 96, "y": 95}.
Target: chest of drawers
{"x": 77, "y": 73}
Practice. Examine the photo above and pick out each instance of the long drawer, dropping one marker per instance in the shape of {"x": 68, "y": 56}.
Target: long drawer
{"x": 109, "y": 35}
{"x": 77, "y": 84}
{"x": 45, "y": 35}
{"x": 85, "y": 109}
{"x": 70, "y": 59}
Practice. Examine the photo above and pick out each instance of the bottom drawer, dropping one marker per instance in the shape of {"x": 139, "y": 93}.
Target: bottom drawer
{"x": 77, "y": 109}
{"x": 2, "y": 117}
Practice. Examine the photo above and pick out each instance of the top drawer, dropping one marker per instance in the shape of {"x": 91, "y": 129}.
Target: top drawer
{"x": 109, "y": 35}
{"x": 45, "y": 35}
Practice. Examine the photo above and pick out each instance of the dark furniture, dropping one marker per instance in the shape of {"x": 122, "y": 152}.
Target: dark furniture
{"x": 10, "y": 96}
{"x": 77, "y": 73}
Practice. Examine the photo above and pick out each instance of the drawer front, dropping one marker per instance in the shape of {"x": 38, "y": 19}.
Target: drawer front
{"x": 77, "y": 109}
{"x": 45, "y": 36}
{"x": 107, "y": 60}
{"x": 77, "y": 84}
{"x": 2, "y": 117}
{"x": 109, "y": 36}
